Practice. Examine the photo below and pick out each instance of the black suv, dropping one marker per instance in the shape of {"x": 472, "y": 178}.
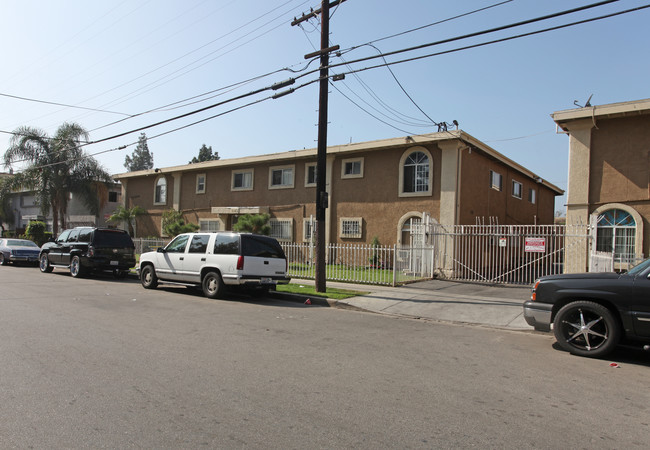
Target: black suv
{"x": 85, "y": 249}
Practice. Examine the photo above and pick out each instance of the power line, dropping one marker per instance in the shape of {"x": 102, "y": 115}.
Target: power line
{"x": 63, "y": 104}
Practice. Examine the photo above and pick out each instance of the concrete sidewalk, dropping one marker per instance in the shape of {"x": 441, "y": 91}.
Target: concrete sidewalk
{"x": 450, "y": 301}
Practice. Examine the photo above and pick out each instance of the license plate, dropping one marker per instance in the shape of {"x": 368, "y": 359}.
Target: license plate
{"x": 115, "y": 263}
{"x": 266, "y": 280}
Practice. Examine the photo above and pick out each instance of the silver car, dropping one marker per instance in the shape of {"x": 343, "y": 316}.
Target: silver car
{"x": 18, "y": 250}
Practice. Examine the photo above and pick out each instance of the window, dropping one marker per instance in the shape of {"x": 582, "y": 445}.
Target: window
{"x": 281, "y": 177}
{"x": 496, "y": 180}
{"x": 350, "y": 228}
{"x": 415, "y": 174}
{"x": 200, "y": 183}
{"x": 516, "y": 189}
{"x": 226, "y": 244}
{"x": 616, "y": 233}
{"x": 160, "y": 196}
{"x": 177, "y": 245}
{"x": 282, "y": 229}
{"x": 532, "y": 196}
{"x": 199, "y": 243}
{"x": 209, "y": 225}
{"x": 308, "y": 229}
{"x": 352, "y": 168}
{"x": 242, "y": 180}
{"x": 310, "y": 174}
{"x": 113, "y": 196}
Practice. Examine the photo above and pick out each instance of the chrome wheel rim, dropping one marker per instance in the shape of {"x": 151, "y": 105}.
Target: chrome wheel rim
{"x": 146, "y": 276}
{"x": 211, "y": 285}
{"x": 44, "y": 262}
{"x": 74, "y": 267}
{"x": 585, "y": 329}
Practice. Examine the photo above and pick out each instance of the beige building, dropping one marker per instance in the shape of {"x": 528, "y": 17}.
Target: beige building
{"x": 376, "y": 189}
{"x": 609, "y": 177}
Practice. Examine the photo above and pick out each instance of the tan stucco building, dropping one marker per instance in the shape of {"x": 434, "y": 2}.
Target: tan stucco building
{"x": 609, "y": 177}
{"x": 376, "y": 189}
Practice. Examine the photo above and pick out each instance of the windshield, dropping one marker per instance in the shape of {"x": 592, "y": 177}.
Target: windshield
{"x": 639, "y": 267}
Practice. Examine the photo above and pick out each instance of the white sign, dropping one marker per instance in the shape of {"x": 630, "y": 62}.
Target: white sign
{"x": 503, "y": 242}
{"x": 536, "y": 245}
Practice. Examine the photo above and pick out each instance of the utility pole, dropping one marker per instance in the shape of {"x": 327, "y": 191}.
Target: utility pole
{"x": 321, "y": 161}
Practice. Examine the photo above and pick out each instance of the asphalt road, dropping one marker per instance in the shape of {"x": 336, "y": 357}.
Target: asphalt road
{"x": 102, "y": 363}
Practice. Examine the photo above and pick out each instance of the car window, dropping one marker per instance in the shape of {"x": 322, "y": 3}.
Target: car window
{"x": 112, "y": 239}
{"x": 226, "y": 244}
{"x": 178, "y": 244}
{"x": 19, "y": 243}
{"x": 63, "y": 236}
{"x": 199, "y": 243}
{"x": 84, "y": 235}
{"x": 72, "y": 237}
{"x": 639, "y": 267}
{"x": 254, "y": 245}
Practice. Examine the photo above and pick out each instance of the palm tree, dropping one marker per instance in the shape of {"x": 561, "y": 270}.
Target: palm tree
{"x": 56, "y": 168}
{"x": 128, "y": 215}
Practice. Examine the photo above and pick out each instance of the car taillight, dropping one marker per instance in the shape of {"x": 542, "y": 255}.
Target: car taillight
{"x": 240, "y": 263}
{"x": 533, "y": 296}
{"x": 91, "y": 251}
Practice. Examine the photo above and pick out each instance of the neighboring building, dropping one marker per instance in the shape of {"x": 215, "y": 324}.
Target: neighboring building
{"x": 379, "y": 188}
{"x": 609, "y": 177}
{"x": 24, "y": 208}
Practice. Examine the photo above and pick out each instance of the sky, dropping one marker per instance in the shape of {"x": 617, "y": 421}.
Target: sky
{"x": 116, "y": 66}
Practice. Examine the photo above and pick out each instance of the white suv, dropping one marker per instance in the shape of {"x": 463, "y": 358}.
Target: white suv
{"x": 214, "y": 260}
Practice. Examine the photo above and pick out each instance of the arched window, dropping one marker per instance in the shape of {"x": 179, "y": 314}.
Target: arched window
{"x": 415, "y": 173}
{"x": 616, "y": 233}
{"x": 160, "y": 195}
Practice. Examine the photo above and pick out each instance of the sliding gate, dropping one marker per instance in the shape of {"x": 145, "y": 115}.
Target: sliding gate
{"x": 517, "y": 254}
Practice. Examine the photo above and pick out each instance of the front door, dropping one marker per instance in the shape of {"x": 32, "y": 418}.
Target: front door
{"x": 195, "y": 257}
{"x": 169, "y": 261}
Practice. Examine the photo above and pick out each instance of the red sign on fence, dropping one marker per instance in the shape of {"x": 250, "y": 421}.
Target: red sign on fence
{"x": 536, "y": 245}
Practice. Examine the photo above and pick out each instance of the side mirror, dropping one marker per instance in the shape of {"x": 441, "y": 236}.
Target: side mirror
{"x": 160, "y": 250}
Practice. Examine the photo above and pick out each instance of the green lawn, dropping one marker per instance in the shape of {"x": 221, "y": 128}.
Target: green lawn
{"x": 337, "y": 294}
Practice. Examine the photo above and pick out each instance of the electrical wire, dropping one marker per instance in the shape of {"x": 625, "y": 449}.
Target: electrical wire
{"x": 63, "y": 104}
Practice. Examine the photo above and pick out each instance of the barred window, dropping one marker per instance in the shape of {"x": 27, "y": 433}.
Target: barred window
{"x": 616, "y": 233}
{"x": 282, "y": 229}
{"x": 209, "y": 225}
{"x": 351, "y": 227}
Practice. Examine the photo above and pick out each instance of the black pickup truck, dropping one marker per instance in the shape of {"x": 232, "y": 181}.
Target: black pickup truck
{"x": 592, "y": 312}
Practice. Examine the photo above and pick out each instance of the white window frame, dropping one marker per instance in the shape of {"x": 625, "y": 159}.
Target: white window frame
{"x": 496, "y": 180}
{"x": 345, "y": 162}
{"x": 198, "y": 184}
{"x": 405, "y": 156}
{"x": 342, "y": 227}
{"x": 532, "y": 196}
{"x": 156, "y": 201}
{"x": 242, "y": 171}
{"x": 284, "y": 224}
{"x": 208, "y": 228}
{"x": 308, "y": 227}
{"x": 517, "y": 193}
{"x": 307, "y": 167}
{"x": 290, "y": 168}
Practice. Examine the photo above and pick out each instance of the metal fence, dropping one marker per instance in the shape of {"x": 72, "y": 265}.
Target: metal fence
{"x": 147, "y": 245}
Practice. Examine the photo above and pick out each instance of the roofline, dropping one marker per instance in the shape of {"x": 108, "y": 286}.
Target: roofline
{"x": 609, "y": 111}
{"x": 455, "y": 135}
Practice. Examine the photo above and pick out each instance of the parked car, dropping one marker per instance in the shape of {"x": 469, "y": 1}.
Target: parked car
{"x": 216, "y": 260}
{"x": 592, "y": 312}
{"x": 85, "y": 249}
{"x": 18, "y": 250}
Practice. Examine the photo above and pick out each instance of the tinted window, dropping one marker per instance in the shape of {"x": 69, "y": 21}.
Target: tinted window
{"x": 199, "y": 243}
{"x": 253, "y": 245}
{"x": 112, "y": 239}
{"x": 72, "y": 237}
{"x": 63, "y": 236}
{"x": 226, "y": 244}
{"x": 178, "y": 244}
{"x": 84, "y": 235}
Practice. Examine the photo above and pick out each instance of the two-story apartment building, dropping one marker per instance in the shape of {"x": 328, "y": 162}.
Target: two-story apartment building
{"x": 376, "y": 189}
{"x": 609, "y": 177}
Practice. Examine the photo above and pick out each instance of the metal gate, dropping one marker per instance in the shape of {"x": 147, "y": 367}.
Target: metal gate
{"x": 517, "y": 254}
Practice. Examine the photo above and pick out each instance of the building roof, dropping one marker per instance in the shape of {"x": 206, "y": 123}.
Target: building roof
{"x": 455, "y": 135}
{"x": 609, "y": 111}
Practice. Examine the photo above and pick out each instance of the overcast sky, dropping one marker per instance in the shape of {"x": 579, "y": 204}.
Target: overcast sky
{"x": 158, "y": 59}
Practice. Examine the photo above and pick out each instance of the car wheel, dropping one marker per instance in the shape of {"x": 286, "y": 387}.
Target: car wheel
{"x": 148, "y": 277}
{"x": 76, "y": 269}
{"x": 44, "y": 264}
{"x": 212, "y": 285}
{"x": 586, "y": 329}
{"x": 3, "y": 261}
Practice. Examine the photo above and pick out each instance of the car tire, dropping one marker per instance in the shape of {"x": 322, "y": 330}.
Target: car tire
{"x": 76, "y": 269}
{"x": 148, "y": 277}
{"x": 3, "y": 260}
{"x": 586, "y": 328}
{"x": 212, "y": 285}
{"x": 44, "y": 263}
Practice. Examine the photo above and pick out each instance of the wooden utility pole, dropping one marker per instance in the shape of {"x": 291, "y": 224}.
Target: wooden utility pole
{"x": 321, "y": 161}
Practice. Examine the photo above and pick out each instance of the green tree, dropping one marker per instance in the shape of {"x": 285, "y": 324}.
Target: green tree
{"x": 173, "y": 223}
{"x": 35, "y": 231}
{"x": 205, "y": 154}
{"x": 6, "y": 213}
{"x": 128, "y": 215}
{"x": 253, "y": 223}
{"x": 56, "y": 168}
{"x": 141, "y": 158}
